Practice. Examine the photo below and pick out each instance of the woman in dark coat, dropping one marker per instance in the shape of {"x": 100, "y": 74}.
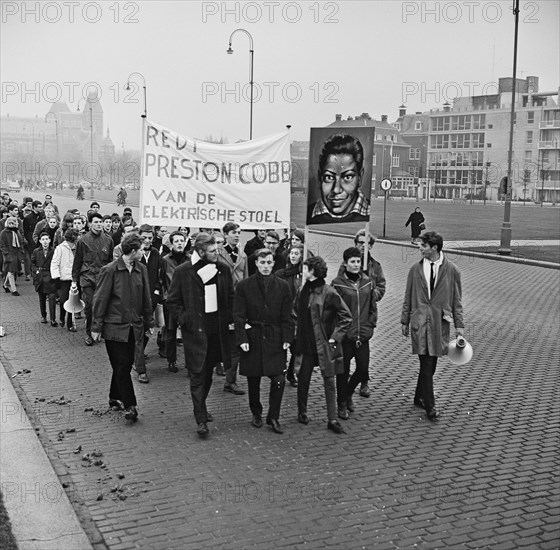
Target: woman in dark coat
{"x": 415, "y": 220}
{"x": 11, "y": 245}
{"x": 41, "y": 267}
{"x": 264, "y": 329}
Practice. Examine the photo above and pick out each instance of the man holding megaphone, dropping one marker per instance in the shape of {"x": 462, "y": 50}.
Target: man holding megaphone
{"x": 433, "y": 299}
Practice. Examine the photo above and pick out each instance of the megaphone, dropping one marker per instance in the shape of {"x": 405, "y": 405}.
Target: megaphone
{"x": 74, "y": 305}
{"x": 460, "y": 351}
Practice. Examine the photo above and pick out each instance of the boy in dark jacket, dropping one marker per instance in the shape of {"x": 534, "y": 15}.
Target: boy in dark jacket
{"x": 357, "y": 292}
{"x": 44, "y": 285}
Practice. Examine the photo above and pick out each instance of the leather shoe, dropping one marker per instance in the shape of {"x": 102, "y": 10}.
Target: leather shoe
{"x": 72, "y": 329}
{"x": 350, "y": 404}
{"x": 172, "y": 367}
{"x": 257, "y": 421}
{"x": 15, "y": 293}
{"x": 143, "y": 377}
{"x": 292, "y": 382}
{"x": 54, "y": 324}
{"x": 276, "y": 428}
{"x": 220, "y": 369}
{"x": 343, "y": 413}
{"x": 431, "y": 413}
{"x": 131, "y": 413}
{"x": 364, "y": 390}
{"x": 116, "y": 405}
{"x": 89, "y": 341}
{"x": 209, "y": 417}
{"x": 202, "y": 429}
{"x": 233, "y": 388}
{"x": 302, "y": 418}
{"x": 419, "y": 402}
{"x": 334, "y": 425}
{"x": 44, "y": 320}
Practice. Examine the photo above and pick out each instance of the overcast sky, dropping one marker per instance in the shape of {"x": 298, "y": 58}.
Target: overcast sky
{"x": 317, "y": 58}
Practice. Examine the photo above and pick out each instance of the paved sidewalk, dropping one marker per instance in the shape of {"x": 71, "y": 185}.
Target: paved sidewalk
{"x": 484, "y": 476}
{"x": 41, "y": 515}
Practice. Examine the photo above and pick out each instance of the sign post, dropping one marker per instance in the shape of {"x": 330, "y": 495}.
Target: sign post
{"x": 386, "y": 185}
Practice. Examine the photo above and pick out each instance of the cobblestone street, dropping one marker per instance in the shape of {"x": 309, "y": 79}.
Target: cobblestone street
{"x": 484, "y": 476}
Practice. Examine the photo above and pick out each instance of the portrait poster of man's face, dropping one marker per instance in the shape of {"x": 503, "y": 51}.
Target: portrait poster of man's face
{"x": 340, "y": 170}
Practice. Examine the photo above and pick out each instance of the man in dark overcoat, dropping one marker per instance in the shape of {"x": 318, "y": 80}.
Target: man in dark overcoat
{"x": 200, "y": 301}
{"x": 432, "y": 300}
{"x": 264, "y": 329}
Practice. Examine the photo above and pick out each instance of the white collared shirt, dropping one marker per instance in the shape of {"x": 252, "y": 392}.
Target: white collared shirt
{"x": 427, "y": 270}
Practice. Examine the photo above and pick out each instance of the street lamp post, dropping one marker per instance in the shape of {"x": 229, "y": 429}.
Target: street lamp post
{"x": 505, "y": 237}
{"x": 486, "y": 181}
{"x": 252, "y": 52}
{"x": 127, "y": 87}
{"x": 90, "y": 144}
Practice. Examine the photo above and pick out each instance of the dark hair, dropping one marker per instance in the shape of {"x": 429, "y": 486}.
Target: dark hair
{"x": 230, "y": 226}
{"x": 115, "y": 218}
{"x": 107, "y": 217}
{"x": 317, "y": 265}
{"x": 95, "y": 203}
{"x": 431, "y": 238}
{"x": 44, "y": 234}
{"x": 352, "y": 252}
{"x": 131, "y": 242}
{"x": 93, "y": 215}
{"x": 67, "y": 219}
{"x": 36, "y": 204}
{"x": 299, "y": 234}
{"x": 71, "y": 235}
{"x": 262, "y": 253}
{"x": 273, "y": 234}
{"x": 342, "y": 144}
{"x": 128, "y": 221}
{"x": 174, "y": 234}
{"x": 362, "y": 233}
{"x": 11, "y": 206}
{"x": 146, "y": 228}
{"x": 203, "y": 241}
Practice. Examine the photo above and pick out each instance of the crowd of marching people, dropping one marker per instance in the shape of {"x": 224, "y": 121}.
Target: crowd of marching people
{"x": 262, "y": 310}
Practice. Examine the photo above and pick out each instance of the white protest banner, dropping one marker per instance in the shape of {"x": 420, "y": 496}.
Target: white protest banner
{"x": 188, "y": 182}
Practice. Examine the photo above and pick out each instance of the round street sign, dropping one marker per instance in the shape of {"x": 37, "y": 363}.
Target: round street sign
{"x": 386, "y": 184}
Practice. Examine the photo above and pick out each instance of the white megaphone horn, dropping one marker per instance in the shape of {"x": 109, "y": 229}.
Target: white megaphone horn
{"x": 74, "y": 305}
{"x": 460, "y": 351}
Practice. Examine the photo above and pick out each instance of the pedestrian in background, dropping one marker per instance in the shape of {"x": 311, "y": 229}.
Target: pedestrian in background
{"x": 432, "y": 300}
{"x": 416, "y": 221}
{"x": 122, "y": 314}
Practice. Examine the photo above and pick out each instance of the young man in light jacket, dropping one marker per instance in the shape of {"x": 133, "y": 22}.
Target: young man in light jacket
{"x": 61, "y": 273}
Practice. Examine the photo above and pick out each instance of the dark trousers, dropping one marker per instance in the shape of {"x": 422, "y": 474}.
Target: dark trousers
{"x": 231, "y": 373}
{"x": 43, "y": 305}
{"x": 304, "y": 380}
{"x": 277, "y": 384}
{"x": 290, "y": 374}
{"x": 425, "y": 384}
{"x": 121, "y": 356}
{"x": 87, "y": 296}
{"x": 201, "y": 382}
{"x": 63, "y": 295}
{"x": 169, "y": 338}
{"x": 27, "y": 261}
{"x": 345, "y": 387}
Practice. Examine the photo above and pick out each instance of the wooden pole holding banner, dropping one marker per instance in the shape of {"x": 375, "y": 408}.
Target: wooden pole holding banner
{"x": 366, "y": 247}
{"x": 142, "y": 168}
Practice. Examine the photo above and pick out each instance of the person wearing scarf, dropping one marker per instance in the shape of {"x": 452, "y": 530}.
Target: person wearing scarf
{"x": 200, "y": 301}
{"x": 11, "y": 245}
{"x": 264, "y": 329}
{"x": 322, "y": 322}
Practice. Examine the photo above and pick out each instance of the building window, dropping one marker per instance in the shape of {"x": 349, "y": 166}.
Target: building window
{"x": 418, "y": 125}
{"x": 397, "y": 125}
{"x": 396, "y": 160}
{"x": 414, "y": 153}
{"x": 530, "y": 117}
{"x": 529, "y": 138}
{"x": 374, "y": 161}
{"x": 528, "y": 156}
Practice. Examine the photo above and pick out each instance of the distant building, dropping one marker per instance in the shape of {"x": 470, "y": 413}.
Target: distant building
{"x": 35, "y": 145}
{"x": 468, "y": 144}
